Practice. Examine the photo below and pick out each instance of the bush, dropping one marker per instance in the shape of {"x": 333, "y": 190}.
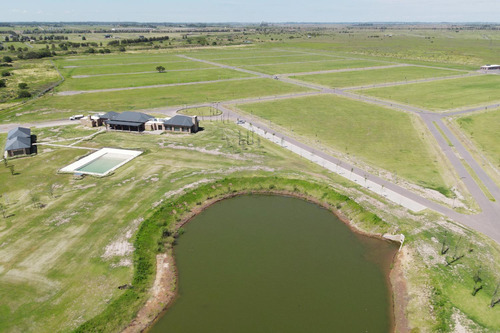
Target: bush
{"x": 7, "y": 59}
{"x": 6, "y": 73}
{"x": 2, "y": 83}
{"x": 24, "y": 94}
{"x": 23, "y": 85}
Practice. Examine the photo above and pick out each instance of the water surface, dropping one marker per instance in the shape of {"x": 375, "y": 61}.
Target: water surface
{"x": 277, "y": 264}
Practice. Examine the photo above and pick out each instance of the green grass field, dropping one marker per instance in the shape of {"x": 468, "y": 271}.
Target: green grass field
{"x": 484, "y": 129}
{"x": 115, "y": 59}
{"x": 374, "y": 76}
{"x": 313, "y": 66}
{"x": 137, "y": 80}
{"x": 141, "y": 67}
{"x": 272, "y": 60}
{"x": 201, "y": 112}
{"x": 57, "y": 107}
{"x": 444, "y": 95}
{"x": 378, "y": 136}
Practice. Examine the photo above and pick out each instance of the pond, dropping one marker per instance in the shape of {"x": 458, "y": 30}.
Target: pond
{"x": 262, "y": 263}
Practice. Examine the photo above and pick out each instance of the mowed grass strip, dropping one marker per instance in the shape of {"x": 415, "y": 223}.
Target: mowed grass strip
{"x": 116, "y": 59}
{"x": 138, "y": 80}
{"x": 160, "y": 97}
{"x": 374, "y": 76}
{"x": 446, "y": 94}
{"x": 484, "y": 131}
{"x": 378, "y": 136}
{"x": 313, "y": 66}
{"x": 143, "y": 67}
{"x": 272, "y": 60}
{"x": 232, "y": 53}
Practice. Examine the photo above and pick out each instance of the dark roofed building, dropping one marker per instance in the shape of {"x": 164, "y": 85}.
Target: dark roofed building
{"x": 126, "y": 121}
{"x": 19, "y": 142}
{"x": 179, "y": 123}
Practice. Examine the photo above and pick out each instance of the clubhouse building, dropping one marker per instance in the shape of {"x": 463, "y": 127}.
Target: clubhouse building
{"x": 130, "y": 121}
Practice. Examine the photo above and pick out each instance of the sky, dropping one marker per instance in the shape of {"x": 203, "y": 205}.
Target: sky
{"x": 251, "y": 10}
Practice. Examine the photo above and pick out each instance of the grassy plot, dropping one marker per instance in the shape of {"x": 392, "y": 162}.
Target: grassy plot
{"x": 443, "y": 95}
{"x": 381, "y": 137}
{"x": 67, "y": 244}
{"x": 374, "y": 76}
{"x": 272, "y": 60}
{"x": 235, "y": 53}
{"x": 56, "y": 107}
{"x": 115, "y": 59}
{"x": 131, "y": 68}
{"x": 138, "y": 80}
{"x": 484, "y": 129}
{"x": 313, "y": 66}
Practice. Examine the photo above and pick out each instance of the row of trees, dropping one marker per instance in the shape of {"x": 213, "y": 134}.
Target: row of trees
{"x": 137, "y": 40}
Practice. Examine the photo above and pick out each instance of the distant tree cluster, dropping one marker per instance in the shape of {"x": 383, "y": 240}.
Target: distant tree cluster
{"x": 35, "y": 54}
{"x": 137, "y": 40}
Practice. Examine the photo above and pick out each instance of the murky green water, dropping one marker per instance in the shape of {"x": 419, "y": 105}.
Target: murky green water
{"x": 277, "y": 264}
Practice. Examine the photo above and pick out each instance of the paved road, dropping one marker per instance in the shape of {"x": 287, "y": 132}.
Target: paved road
{"x": 487, "y": 221}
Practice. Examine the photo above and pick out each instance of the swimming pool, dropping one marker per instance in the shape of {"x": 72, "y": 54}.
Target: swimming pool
{"x": 102, "y": 162}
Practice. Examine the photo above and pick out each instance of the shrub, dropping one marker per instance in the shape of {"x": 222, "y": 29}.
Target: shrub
{"x": 6, "y": 73}
{"x": 2, "y": 83}
{"x": 7, "y": 59}
{"x": 23, "y": 85}
{"x": 24, "y": 94}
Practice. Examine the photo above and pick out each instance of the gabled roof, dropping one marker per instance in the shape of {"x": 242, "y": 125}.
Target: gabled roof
{"x": 19, "y": 132}
{"x": 179, "y": 120}
{"x": 18, "y": 143}
{"x": 130, "y": 116}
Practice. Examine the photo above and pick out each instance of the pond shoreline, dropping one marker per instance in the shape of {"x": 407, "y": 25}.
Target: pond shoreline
{"x": 164, "y": 291}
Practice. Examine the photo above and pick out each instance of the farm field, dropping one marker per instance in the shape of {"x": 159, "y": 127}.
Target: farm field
{"x": 138, "y": 80}
{"x": 287, "y": 68}
{"x": 374, "y": 76}
{"x": 484, "y": 130}
{"x": 131, "y": 68}
{"x": 57, "y": 107}
{"x": 378, "y": 136}
{"x": 444, "y": 95}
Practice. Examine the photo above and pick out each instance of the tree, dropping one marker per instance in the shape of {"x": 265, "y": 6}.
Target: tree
{"x": 84, "y": 38}
{"x": 23, "y": 85}
{"x": 7, "y": 59}
{"x": 160, "y": 69}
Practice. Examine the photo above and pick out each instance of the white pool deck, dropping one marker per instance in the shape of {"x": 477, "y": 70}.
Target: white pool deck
{"x": 128, "y": 156}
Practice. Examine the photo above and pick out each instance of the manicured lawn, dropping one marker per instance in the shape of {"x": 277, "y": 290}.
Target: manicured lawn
{"x": 137, "y": 80}
{"x": 115, "y": 59}
{"x": 374, "y": 76}
{"x": 443, "y": 95}
{"x": 272, "y": 60}
{"x": 235, "y": 53}
{"x": 381, "y": 137}
{"x": 57, "y": 107}
{"x": 314, "y": 66}
{"x": 484, "y": 130}
{"x": 140, "y": 67}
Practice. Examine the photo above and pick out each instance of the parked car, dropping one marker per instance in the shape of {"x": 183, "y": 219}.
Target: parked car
{"x": 76, "y": 117}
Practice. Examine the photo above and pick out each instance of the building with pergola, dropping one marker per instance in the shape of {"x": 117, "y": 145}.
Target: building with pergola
{"x": 128, "y": 121}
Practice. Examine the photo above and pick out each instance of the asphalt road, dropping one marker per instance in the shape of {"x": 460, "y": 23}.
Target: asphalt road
{"x": 487, "y": 222}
